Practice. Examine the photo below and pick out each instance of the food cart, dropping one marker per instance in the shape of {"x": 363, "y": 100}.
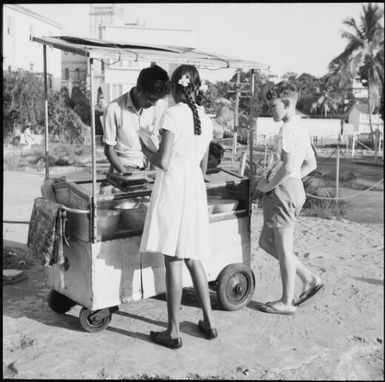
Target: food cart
{"x": 103, "y": 266}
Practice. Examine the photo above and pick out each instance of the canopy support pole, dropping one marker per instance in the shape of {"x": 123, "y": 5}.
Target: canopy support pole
{"x": 93, "y": 202}
{"x": 46, "y": 136}
{"x": 251, "y": 142}
{"x": 236, "y": 118}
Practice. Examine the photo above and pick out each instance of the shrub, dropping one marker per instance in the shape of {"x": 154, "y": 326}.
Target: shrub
{"x": 59, "y": 155}
{"x": 23, "y": 102}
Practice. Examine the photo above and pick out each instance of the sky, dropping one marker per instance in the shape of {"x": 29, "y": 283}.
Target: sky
{"x": 288, "y": 37}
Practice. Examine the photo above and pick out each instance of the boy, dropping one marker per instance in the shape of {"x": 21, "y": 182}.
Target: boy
{"x": 283, "y": 197}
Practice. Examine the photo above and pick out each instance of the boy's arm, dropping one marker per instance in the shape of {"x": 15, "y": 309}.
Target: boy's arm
{"x": 109, "y": 137}
{"x": 288, "y": 166}
{"x": 161, "y": 158}
{"x": 112, "y": 156}
{"x": 308, "y": 166}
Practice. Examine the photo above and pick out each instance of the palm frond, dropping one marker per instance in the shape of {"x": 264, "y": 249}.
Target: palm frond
{"x": 350, "y": 22}
{"x": 371, "y": 19}
{"x": 353, "y": 39}
{"x": 350, "y": 49}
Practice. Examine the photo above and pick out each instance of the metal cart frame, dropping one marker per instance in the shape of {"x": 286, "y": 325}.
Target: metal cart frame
{"x": 98, "y": 50}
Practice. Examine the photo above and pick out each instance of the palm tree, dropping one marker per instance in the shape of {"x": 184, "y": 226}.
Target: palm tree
{"x": 328, "y": 96}
{"x": 363, "y": 55}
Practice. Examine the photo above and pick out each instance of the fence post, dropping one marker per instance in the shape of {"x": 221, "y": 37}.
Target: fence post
{"x": 338, "y": 171}
{"x": 353, "y": 143}
{"x": 243, "y": 163}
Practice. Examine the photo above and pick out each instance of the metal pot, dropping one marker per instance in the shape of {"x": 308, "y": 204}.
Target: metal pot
{"x": 225, "y": 205}
{"x": 132, "y": 214}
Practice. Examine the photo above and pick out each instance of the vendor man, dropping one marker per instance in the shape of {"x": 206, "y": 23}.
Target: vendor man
{"x": 130, "y": 112}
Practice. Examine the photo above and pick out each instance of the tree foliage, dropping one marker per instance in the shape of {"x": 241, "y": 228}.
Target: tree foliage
{"x": 318, "y": 97}
{"x": 364, "y": 53}
{"x": 23, "y": 102}
{"x": 363, "y": 56}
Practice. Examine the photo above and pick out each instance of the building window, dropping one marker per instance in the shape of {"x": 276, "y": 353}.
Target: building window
{"x": 66, "y": 74}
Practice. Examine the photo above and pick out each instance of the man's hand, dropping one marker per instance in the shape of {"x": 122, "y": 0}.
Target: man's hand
{"x": 145, "y": 150}
{"x": 263, "y": 185}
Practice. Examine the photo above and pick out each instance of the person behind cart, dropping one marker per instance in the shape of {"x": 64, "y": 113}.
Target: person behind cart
{"x": 283, "y": 198}
{"x": 134, "y": 110}
{"x": 177, "y": 221}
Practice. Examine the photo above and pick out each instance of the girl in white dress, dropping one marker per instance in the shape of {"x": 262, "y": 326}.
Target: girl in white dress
{"x": 177, "y": 222}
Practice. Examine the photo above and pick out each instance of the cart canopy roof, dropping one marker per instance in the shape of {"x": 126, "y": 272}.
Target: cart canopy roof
{"x": 109, "y": 50}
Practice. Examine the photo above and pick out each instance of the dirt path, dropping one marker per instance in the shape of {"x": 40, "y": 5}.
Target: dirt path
{"x": 338, "y": 336}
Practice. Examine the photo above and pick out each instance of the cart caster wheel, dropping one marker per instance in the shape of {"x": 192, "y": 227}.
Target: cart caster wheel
{"x": 94, "y": 321}
{"x": 59, "y": 303}
{"x": 236, "y": 285}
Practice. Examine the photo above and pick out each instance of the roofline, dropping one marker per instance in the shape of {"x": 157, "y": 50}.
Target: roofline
{"x": 28, "y": 12}
{"x": 145, "y": 28}
{"x": 100, "y": 49}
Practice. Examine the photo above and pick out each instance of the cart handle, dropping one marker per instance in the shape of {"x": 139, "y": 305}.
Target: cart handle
{"x": 75, "y": 211}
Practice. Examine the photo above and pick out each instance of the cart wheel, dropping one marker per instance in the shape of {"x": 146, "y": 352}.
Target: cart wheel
{"x": 59, "y": 303}
{"x": 95, "y": 320}
{"x": 236, "y": 285}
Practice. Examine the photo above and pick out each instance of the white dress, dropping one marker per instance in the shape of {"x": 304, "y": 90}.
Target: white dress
{"x": 177, "y": 221}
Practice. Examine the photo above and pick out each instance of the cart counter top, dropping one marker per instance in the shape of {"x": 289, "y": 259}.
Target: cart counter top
{"x": 222, "y": 178}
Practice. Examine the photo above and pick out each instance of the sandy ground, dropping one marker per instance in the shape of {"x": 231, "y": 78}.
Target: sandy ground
{"x": 337, "y": 336}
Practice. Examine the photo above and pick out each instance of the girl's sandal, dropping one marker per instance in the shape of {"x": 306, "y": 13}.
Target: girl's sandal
{"x": 172, "y": 343}
{"x": 209, "y": 333}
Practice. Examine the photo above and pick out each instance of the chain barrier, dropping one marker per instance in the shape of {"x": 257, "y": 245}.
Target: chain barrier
{"x": 324, "y": 160}
{"x": 340, "y": 197}
{"x": 345, "y": 197}
{"x": 15, "y": 222}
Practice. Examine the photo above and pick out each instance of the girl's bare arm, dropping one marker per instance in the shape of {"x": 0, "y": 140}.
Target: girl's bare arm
{"x": 161, "y": 158}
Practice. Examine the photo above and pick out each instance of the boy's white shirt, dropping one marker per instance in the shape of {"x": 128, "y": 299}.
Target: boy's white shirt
{"x": 294, "y": 138}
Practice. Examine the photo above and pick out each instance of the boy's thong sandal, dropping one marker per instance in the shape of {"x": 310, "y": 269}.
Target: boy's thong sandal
{"x": 268, "y": 308}
{"x": 304, "y": 296}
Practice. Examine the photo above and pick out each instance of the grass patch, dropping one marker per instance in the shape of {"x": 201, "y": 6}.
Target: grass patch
{"x": 323, "y": 208}
{"x": 60, "y": 154}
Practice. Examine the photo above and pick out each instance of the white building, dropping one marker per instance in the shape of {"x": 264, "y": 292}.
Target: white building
{"x": 20, "y": 25}
{"x": 359, "y": 118}
{"x": 105, "y": 14}
{"x": 360, "y": 91}
{"x": 120, "y": 76}
{"x": 322, "y": 131}
{"x": 113, "y": 78}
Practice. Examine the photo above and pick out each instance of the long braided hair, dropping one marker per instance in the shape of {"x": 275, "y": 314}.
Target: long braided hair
{"x": 194, "y": 82}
